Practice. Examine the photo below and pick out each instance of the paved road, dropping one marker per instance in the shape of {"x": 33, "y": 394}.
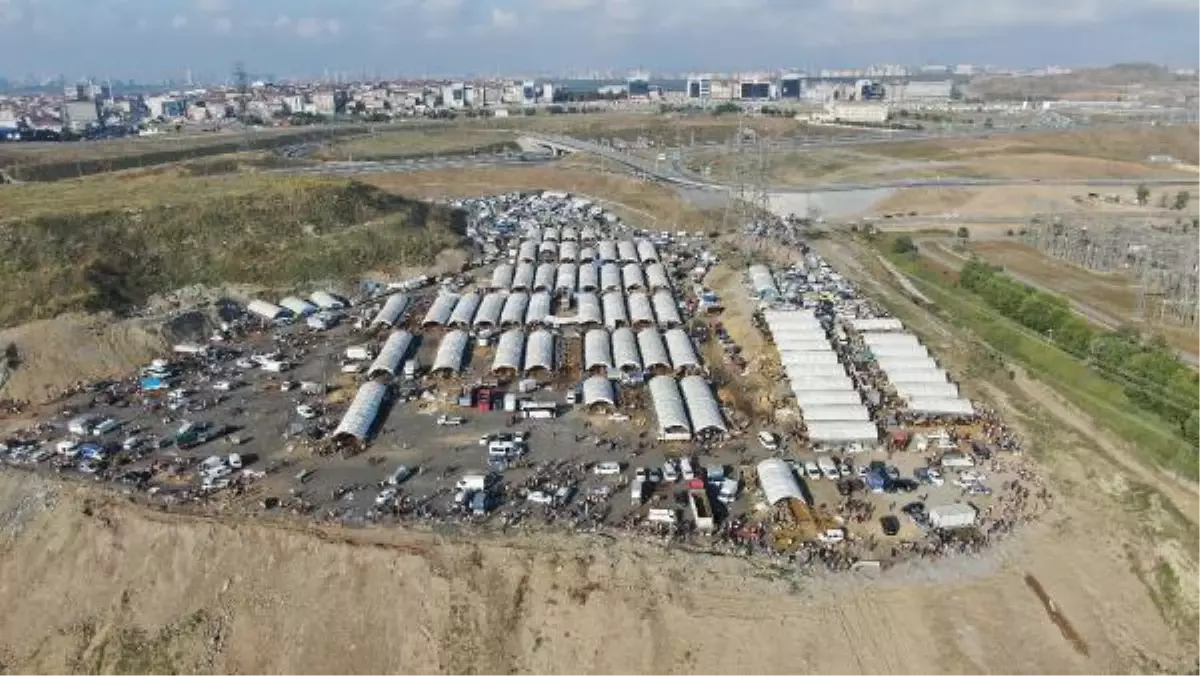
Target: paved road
{"x": 412, "y": 165}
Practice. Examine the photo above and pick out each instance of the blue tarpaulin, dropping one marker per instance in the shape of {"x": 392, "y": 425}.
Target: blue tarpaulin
{"x": 152, "y": 383}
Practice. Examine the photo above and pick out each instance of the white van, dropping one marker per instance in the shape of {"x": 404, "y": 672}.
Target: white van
{"x": 685, "y": 468}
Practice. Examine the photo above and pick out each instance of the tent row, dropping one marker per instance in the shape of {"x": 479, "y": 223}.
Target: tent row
{"x": 917, "y": 379}
{"x": 685, "y": 408}
{"x": 617, "y": 310}
{"x": 516, "y": 354}
{"x": 294, "y": 306}
{"x": 569, "y": 276}
{"x": 762, "y": 284}
{"x": 545, "y": 250}
{"x": 492, "y": 311}
{"x": 646, "y": 351}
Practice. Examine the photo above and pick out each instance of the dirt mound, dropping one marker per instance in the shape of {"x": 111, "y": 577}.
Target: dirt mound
{"x": 55, "y": 353}
{"x": 97, "y": 585}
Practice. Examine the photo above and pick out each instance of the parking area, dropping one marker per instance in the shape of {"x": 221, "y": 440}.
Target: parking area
{"x": 556, "y": 380}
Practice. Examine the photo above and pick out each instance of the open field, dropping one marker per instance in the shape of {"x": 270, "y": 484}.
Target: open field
{"x": 640, "y": 201}
{"x": 394, "y": 144}
{"x": 1017, "y": 201}
{"x": 1148, "y": 82}
{"x": 112, "y": 242}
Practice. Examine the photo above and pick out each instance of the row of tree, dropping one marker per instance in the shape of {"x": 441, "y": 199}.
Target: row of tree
{"x": 1154, "y": 378}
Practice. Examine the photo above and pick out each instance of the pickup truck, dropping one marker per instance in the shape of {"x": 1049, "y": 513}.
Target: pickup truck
{"x": 451, "y": 420}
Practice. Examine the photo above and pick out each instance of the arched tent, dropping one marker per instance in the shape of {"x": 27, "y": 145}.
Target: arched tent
{"x": 513, "y": 314}
{"x": 589, "y": 278}
{"x": 527, "y": 252}
{"x": 569, "y": 234}
{"x": 391, "y": 355}
{"x": 523, "y": 277}
{"x": 632, "y": 278}
{"x": 626, "y": 356}
{"x": 762, "y": 284}
{"x": 565, "y": 278}
{"x": 607, "y": 251}
{"x": 654, "y": 353}
{"x": 440, "y": 310}
{"x": 548, "y": 251}
{"x": 683, "y": 353}
{"x": 487, "y": 317}
{"x": 568, "y": 252}
{"x": 451, "y": 353}
{"x": 502, "y": 277}
{"x": 597, "y": 351}
{"x": 656, "y": 277}
{"x": 464, "y": 311}
{"x": 599, "y": 395}
{"x": 539, "y": 353}
{"x": 641, "y": 313}
{"x": 364, "y": 410}
{"x": 538, "y": 312}
{"x": 646, "y": 251}
{"x": 669, "y": 409}
{"x": 392, "y": 311}
{"x": 778, "y": 482}
{"x": 627, "y": 251}
{"x": 509, "y": 351}
{"x": 550, "y": 234}
{"x": 614, "y": 310}
{"x": 265, "y": 310}
{"x": 587, "y": 312}
{"x": 666, "y": 310}
{"x": 587, "y": 254}
{"x": 543, "y": 278}
{"x": 702, "y": 406}
{"x": 588, "y": 234}
{"x": 610, "y": 277}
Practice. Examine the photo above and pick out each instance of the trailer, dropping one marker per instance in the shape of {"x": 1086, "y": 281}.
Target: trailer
{"x": 702, "y": 511}
{"x": 956, "y": 515}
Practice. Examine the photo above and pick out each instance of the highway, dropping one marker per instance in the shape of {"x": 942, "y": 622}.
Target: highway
{"x": 429, "y": 163}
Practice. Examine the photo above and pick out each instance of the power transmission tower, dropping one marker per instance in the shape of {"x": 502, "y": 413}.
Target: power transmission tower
{"x": 242, "y": 82}
{"x": 747, "y": 199}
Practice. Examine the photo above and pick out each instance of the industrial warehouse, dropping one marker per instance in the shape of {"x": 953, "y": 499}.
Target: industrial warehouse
{"x": 578, "y": 371}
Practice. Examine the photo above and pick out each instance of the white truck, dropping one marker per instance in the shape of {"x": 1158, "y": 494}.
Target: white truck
{"x": 360, "y": 353}
{"x": 955, "y": 515}
{"x": 637, "y": 492}
{"x": 829, "y": 468}
{"x": 729, "y": 491}
{"x": 472, "y": 482}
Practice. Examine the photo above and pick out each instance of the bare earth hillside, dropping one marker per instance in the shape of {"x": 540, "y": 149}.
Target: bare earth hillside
{"x": 93, "y": 584}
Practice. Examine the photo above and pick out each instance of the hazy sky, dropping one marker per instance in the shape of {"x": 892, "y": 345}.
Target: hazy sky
{"x": 163, "y": 38}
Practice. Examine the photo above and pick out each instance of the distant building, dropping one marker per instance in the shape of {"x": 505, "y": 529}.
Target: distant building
{"x": 922, "y": 91}
{"x": 791, "y": 87}
{"x": 323, "y": 103}
{"x": 529, "y": 92}
{"x": 699, "y": 87}
{"x": 861, "y": 113}
{"x": 79, "y": 115}
{"x": 754, "y": 88}
{"x": 638, "y": 86}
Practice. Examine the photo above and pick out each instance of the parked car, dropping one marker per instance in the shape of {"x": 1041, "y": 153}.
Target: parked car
{"x": 768, "y": 440}
{"x": 451, "y": 420}
{"x": 607, "y": 468}
{"x": 385, "y": 496}
{"x": 305, "y": 411}
{"x": 539, "y": 497}
{"x": 890, "y": 525}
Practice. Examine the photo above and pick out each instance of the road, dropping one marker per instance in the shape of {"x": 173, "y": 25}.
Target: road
{"x": 429, "y": 163}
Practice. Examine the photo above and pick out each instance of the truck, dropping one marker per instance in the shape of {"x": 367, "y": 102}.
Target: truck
{"x": 955, "y": 515}
{"x": 472, "y": 482}
{"x": 637, "y": 491}
{"x": 662, "y": 515}
{"x": 481, "y": 503}
{"x": 360, "y": 353}
{"x": 829, "y": 468}
{"x": 411, "y": 367}
{"x": 729, "y": 491}
{"x": 701, "y": 509}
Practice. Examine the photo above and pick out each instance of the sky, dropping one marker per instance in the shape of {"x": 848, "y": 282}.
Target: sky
{"x": 161, "y": 39}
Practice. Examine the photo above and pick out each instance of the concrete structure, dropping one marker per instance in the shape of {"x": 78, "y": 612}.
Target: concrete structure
{"x": 360, "y": 417}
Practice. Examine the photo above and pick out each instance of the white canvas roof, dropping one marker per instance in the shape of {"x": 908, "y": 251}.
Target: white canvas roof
{"x": 391, "y": 355}
{"x": 523, "y": 277}
{"x": 392, "y": 310}
{"x": 778, "y": 482}
{"x": 625, "y": 350}
{"x": 941, "y": 406}
{"x": 666, "y": 310}
{"x": 597, "y": 350}
{"x": 543, "y": 277}
{"x": 538, "y": 311}
{"x": 701, "y": 405}
{"x": 565, "y": 277}
{"x": 654, "y": 351}
{"x": 509, "y": 351}
{"x": 599, "y": 390}
{"x": 899, "y": 350}
{"x": 680, "y": 348}
{"x": 826, "y": 397}
{"x": 539, "y": 351}
{"x": 614, "y": 310}
{"x": 632, "y": 278}
{"x": 898, "y": 377}
{"x": 363, "y": 411}
{"x": 464, "y": 310}
{"x": 668, "y": 406}
{"x": 488, "y": 314}
{"x": 877, "y": 324}
{"x": 588, "y": 310}
{"x": 502, "y": 277}
{"x": 656, "y": 277}
{"x": 610, "y": 277}
{"x": 440, "y": 310}
{"x": 450, "y": 352}
{"x": 841, "y": 432}
{"x": 515, "y": 306}
{"x": 809, "y": 358}
{"x": 627, "y": 251}
{"x": 835, "y": 412}
{"x": 927, "y": 390}
{"x": 646, "y": 251}
{"x": 641, "y": 313}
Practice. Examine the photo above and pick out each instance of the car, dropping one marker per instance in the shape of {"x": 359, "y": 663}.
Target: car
{"x": 222, "y": 386}
{"x": 845, "y": 468}
{"x": 935, "y": 477}
{"x": 639, "y": 474}
{"x": 539, "y": 497}
{"x": 244, "y": 363}
{"x": 654, "y": 475}
{"x": 862, "y": 472}
{"x": 890, "y": 525}
{"x": 606, "y": 468}
{"x": 972, "y": 477}
{"x": 385, "y": 496}
{"x": 768, "y": 440}
{"x": 451, "y": 420}
{"x": 898, "y": 485}
{"x": 234, "y": 460}
{"x": 305, "y": 411}
{"x": 811, "y": 471}
{"x": 914, "y": 508}
{"x": 670, "y": 471}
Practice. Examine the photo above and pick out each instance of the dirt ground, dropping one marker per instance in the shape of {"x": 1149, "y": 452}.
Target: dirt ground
{"x": 1010, "y": 200}
{"x": 238, "y": 597}
{"x": 56, "y": 353}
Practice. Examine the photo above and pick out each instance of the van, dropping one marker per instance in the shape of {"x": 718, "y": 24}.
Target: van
{"x": 685, "y": 468}
{"x": 106, "y": 426}
{"x": 729, "y": 491}
{"x": 399, "y": 476}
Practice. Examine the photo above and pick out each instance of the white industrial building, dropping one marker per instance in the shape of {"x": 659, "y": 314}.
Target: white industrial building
{"x": 451, "y": 354}
{"x": 391, "y": 355}
{"x": 364, "y": 410}
{"x": 669, "y": 409}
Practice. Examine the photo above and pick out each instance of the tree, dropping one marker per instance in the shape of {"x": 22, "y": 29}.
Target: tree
{"x": 1181, "y": 199}
{"x": 963, "y": 233}
{"x": 1162, "y": 201}
{"x": 904, "y": 245}
{"x": 1143, "y": 194}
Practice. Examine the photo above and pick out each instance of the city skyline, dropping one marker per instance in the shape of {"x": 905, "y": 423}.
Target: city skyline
{"x": 112, "y": 38}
